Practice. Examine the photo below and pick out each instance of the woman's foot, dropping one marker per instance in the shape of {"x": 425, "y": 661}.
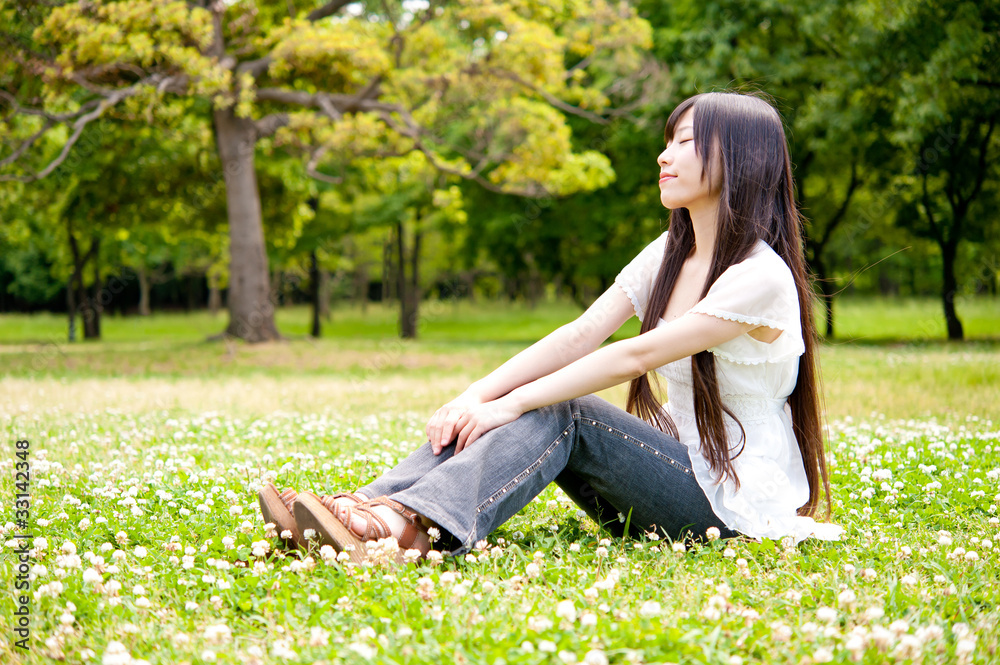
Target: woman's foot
{"x": 278, "y": 509}
{"x": 349, "y": 528}
{"x": 385, "y": 515}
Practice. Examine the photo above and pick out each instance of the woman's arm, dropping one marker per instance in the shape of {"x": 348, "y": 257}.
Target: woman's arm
{"x": 553, "y": 352}
{"x": 605, "y": 367}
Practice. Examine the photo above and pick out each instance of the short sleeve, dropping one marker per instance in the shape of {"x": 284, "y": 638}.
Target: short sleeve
{"x": 761, "y": 291}
{"x": 638, "y": 277}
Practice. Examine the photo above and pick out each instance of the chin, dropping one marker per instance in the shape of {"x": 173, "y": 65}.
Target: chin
{"x": 669, "y": 203}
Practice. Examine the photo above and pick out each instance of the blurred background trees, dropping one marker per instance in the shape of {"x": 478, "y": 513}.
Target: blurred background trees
{"x": 251, "y": 155}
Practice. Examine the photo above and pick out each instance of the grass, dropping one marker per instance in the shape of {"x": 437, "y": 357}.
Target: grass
{"x": 146, "y": 450}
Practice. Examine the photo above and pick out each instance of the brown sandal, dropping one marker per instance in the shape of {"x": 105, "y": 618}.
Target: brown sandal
{"x": 277, "y": 509}
{"x": 317, "y": 514}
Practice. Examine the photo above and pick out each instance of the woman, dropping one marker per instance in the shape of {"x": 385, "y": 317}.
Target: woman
{"x": 726, "y": 319}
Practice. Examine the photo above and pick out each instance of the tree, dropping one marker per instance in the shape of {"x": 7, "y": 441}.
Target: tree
{"x": 477, "y": 87}
{"x": 945, "y": 110}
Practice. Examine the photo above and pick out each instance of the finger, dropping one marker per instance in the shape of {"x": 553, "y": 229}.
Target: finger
{"x": 447, "y": 433}
{"x": 475, "y": 434}
{"x": 463, "y": 436}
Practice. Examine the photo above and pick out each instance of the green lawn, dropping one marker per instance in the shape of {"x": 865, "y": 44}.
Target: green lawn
{"x": 146, "y": 450}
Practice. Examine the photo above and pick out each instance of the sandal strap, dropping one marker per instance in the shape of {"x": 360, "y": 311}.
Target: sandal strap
{"x": 376, "y": 528}
{"x": 413, "y": 527}
{"x": 329, "y": 500}
{"x": 288, "y": 498}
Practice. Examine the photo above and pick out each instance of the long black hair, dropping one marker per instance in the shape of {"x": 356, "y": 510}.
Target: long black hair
{"x": 743, "y": 135}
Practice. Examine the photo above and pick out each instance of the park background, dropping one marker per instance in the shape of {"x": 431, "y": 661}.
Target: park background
{"x": 265, "y": 240}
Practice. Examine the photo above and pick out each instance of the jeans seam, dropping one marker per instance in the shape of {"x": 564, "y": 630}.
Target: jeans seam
{"x": 642, "y": 446}
{"x": 524, "y": 474}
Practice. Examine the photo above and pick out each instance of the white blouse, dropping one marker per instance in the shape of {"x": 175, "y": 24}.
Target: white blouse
{"x": 755, "y": 379}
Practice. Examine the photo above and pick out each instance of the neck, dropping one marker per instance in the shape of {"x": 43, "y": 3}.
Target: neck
{"x": 704, "y": 221}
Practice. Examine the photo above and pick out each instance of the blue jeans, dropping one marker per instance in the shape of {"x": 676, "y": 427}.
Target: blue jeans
{"x": 607, "y": 460}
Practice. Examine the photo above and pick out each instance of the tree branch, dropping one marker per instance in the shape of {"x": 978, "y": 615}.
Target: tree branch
{"x": 329, "y": 9}
{"x": 311, "y": 168}
{"x": 334, "y": 105}
{"x": 412, "y": 132}
{"x": 100, "y": 106}
{"x": 842, "y": 210}
{"x": 269, "y": 124}
{"x": 926, "y": 199}
{"x": 549, "y": 97}
{"x": 27, "y": 144}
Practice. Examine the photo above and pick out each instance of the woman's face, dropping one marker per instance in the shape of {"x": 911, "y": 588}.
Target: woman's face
{"x": 681, "y": 184}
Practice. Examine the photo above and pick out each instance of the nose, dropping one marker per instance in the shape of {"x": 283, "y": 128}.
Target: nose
{"x": 664, "y": 157}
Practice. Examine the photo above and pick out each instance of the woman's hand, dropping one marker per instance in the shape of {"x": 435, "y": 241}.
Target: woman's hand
{"x": 442, "y": 426}
{"x": 481, "y": 419}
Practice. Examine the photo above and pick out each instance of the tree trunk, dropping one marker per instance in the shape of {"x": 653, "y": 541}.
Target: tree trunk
{"x": 96, "y": 306}
{"x": 71, "y": 306}
{"x": 388, "y": 270}
{"x": 214, "y": 295}
{"x": 143, "y": 291}
{"x": 407, "y": 288}
{"x": 826, "y": 289}
{"x": 955, "y": 331}
{"x": 326, "y": 285}
{"x": 314, "y": 294}
{"x": 251, "y": 313}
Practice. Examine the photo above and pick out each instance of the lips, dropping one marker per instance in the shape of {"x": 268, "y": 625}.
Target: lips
{"x": 666, "y": 176}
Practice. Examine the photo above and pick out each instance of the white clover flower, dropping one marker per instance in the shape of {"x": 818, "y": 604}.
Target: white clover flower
{"x": 588, "y": 619}
{"x": 190, "y": 606}
{"x": 601, "y": 551}
{"x": 140, "y": 552}
{"x": 547, "y": 646}
{"x": 142, "y": 602}
{"x": 318, "y": 637}
{"x": 712, "y": 533}
{"x": 566, "y": 610}
{"x": 679, "y": 547}
{"x": 826, "y": 614}
{"x": 847, "y": 598}
{"x": 822, "y": 655}
{"x": 874, "y": 613}
{"x": 539, "y": 624}
{"x": 218, "y": 633}
{"x": 595, "y": 657}
{"x": 532, "y": 570}
{"x": 68, "y": 547}
{"x": 650, "y": 608}
{"x": 116, "y": 654}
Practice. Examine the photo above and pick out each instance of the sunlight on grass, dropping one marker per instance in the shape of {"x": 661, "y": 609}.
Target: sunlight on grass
{"x": 146, "y": 451}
